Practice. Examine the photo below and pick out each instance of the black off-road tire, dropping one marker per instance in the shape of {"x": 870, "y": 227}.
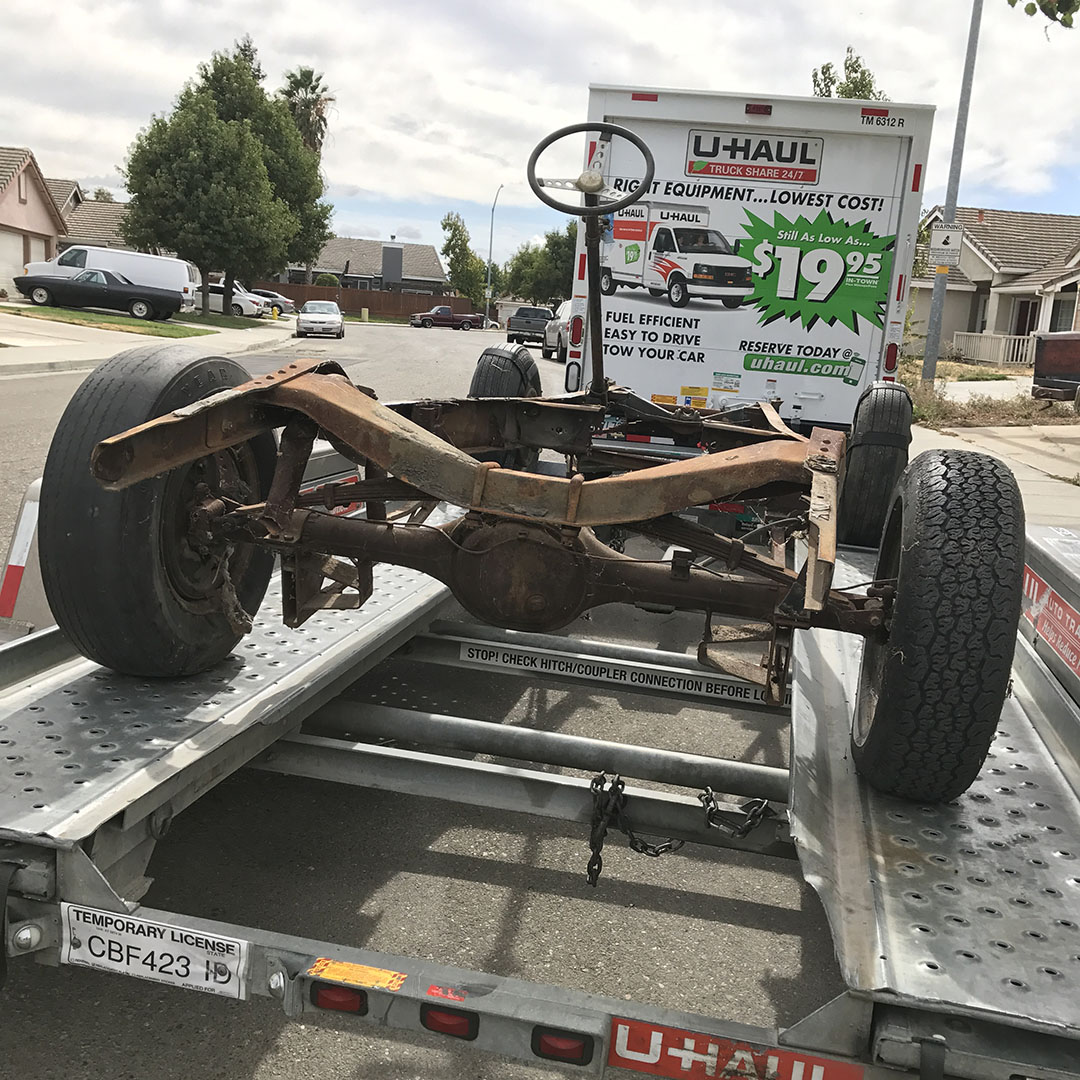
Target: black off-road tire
{"x": 931, "y": 690}
{"x": 115, "y": 564}
{"x": 877, "y": 451}
{"x": 507, "y": 371}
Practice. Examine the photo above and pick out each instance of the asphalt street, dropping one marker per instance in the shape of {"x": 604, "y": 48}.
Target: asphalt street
{"x": 727, "y": 934}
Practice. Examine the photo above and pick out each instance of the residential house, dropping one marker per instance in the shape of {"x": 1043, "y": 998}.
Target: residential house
{"x": 377, "y": 265}
{"x": 30, "y": 221}
{"x": 1018, "y": 274}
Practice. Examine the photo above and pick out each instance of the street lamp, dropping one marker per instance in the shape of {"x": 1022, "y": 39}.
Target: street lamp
{"x": 491, "y": 239}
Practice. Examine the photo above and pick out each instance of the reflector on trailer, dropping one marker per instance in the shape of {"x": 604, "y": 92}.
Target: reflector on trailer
{"x": 557, "y": 1045}
{"x": 457, "y": 1022}
{"x": 891, "y": 354}
{"x": 339, "y": 998}
{"x": 577, "y": 330}
{"x": 758, "y": 110}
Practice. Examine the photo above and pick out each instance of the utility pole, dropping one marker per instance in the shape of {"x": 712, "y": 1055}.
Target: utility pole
{"x": 937, "y": 300}
{"x": 491, "y": 239}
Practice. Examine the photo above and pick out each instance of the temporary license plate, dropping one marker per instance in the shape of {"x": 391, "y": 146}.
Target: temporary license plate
{"x": 174, "y": 955}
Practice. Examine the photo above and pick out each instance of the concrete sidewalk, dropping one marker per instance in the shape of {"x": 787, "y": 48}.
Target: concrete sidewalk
{"x": 35, "y": 346}
{"x": 1038, "y": 457}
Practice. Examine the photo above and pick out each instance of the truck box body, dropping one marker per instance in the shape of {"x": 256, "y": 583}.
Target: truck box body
{"x": 771, "y": 257}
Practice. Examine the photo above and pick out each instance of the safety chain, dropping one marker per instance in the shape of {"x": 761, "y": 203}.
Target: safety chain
{"x": 609, "y": 806}
{"x": 737, "y": 824}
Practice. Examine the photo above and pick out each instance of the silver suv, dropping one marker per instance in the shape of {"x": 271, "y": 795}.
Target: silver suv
{"x": 555, "y": 334}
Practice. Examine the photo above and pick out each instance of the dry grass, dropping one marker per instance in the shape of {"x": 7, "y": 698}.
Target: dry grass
{"x": 935, "y": 410}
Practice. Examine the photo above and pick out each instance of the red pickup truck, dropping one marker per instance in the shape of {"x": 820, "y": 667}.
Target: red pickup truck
{"x": 445, "y": 316}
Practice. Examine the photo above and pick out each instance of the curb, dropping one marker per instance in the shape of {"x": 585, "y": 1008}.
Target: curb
{"x": 46, "y": 367}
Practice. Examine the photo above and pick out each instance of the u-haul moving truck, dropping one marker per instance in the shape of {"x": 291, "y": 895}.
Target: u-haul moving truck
{"x": 669, "y": 249}
{"x": 817, "y": 201}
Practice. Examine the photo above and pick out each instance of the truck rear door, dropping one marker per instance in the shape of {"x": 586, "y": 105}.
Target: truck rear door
{"x": 821, "y": 197}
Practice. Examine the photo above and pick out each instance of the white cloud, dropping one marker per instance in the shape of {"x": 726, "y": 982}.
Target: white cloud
{"x": 442, "y": 102}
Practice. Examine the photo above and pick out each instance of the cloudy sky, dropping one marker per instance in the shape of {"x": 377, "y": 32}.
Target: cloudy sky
{"x": 439, "y": 103}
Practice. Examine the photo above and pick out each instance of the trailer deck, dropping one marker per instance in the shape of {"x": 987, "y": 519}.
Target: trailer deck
{"x": 909, "y": 891}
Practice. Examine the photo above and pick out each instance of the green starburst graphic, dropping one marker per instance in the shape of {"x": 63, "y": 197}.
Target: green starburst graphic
{"x": 818, "y": 269}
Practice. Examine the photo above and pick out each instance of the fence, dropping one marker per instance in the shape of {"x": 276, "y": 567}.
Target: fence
{"x": 379, "y": 304}
{"x": 998, "y": 349}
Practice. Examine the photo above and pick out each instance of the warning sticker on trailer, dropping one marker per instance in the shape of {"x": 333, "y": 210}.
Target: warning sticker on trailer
{"x": 356, "y": 974}
{"x": 159, "y": 952}
{"x": 689, "y": 1055}
{"x": 625, "y": 674}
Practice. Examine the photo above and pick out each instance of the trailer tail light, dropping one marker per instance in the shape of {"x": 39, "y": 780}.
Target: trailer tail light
{"x": 577, "y": 330}
{"x": 456, "y": 1022}
{"x": 758, "y": 110}
{"x": 891, "y": 354}
{"x": 568, "y": 1046}
{"x": 641, "y": 96}
{"x": 339, "y": 998}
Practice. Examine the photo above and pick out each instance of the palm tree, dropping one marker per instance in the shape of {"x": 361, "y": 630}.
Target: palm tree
{"x": 308, "y": 99}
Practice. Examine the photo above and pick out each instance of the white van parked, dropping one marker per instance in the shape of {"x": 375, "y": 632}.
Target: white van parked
{"x": 138, "y": 267}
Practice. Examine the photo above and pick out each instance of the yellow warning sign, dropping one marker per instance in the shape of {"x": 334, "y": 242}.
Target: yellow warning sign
{"x": 663, "y": 399}
{"x": 356, "y": 974}
{"x": 694, "y": 391}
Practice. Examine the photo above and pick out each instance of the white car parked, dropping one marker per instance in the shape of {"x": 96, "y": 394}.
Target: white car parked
{"x": 320, "y": 317}
{"x": 243, "y": 303}
{"x": 556, "y": 334}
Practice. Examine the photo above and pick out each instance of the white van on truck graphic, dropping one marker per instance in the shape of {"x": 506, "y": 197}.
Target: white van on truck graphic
{"x": 670, "y": 248}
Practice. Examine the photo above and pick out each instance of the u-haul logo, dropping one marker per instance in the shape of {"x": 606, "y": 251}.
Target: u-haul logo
{"x": 687, "y": 1055}
{"x": 784, "y": 159}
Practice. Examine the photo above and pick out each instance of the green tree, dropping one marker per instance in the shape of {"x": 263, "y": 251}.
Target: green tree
{"x": 1061, "y": 12}
{"x": 232, "y": 80}
{"x": 858, "y": 80}
{"x": 466, "y": 270}
{"x": 327, "y": 280}
{"x": 308, "y": 100}
{"x": 102, "y": 194}
{"x": 199, "y": 187}
{"x": 544, "y": 274}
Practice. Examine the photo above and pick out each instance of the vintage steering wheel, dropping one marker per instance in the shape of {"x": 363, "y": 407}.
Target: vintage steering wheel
{"x": 591, "y": 181}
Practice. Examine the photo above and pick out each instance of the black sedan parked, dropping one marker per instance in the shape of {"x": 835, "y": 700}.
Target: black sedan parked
{"x": 100, "y": 289}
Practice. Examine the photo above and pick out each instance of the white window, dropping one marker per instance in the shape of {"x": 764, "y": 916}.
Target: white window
{"x": 1061, "y": 314}
{"x": 22, "y": 186}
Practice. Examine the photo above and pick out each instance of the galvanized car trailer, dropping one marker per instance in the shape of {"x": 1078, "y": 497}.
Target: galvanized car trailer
{"x": 957, "y": 927}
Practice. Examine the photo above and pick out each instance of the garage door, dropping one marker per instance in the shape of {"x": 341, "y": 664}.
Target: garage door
{"x": 11, "y": 259}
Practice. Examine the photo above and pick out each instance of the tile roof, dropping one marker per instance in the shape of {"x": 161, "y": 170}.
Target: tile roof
{"x": 96, "y": 222}
{"x": 1018, "y": 239}
{"x": 62, "y": 190}
{"x": 12, "y": 158}
{"x": 365, "y": 259}
{"x": 1056, "y": 268}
